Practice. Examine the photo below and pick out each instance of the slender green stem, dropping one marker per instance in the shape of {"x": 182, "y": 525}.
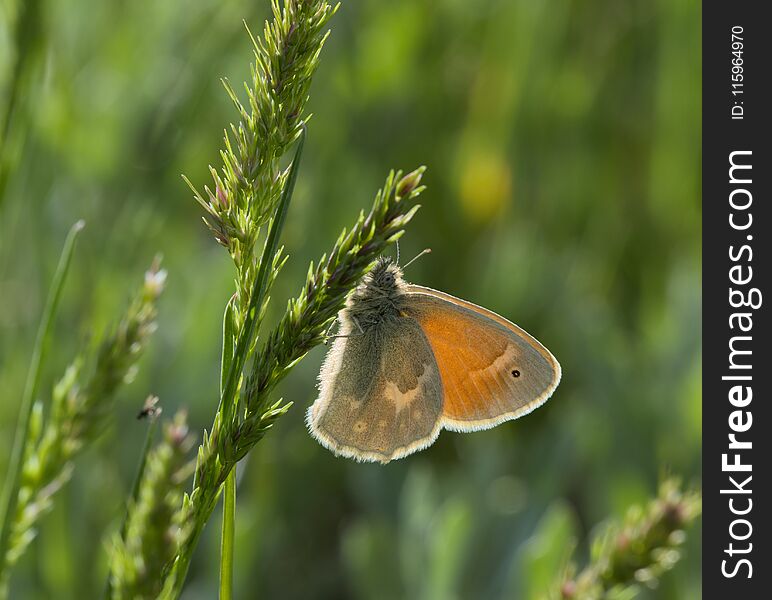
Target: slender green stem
{"x": 229, "y": 491}
{"x": 11, "y": 490}
{"x": 26, "y": 37}
{"x": 140, "y": 470}
{"x": 134, "y": 496}
{"x": 228, "y": 533}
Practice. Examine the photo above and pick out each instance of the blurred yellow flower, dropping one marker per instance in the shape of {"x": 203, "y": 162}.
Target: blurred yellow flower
{"x": 485, "y": 185}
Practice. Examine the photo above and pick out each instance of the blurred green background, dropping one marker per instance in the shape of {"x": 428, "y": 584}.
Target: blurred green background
{"x": 562, "y": 140}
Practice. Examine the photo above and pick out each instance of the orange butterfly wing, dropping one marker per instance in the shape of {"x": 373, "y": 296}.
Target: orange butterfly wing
{"x": 492, "y": 371}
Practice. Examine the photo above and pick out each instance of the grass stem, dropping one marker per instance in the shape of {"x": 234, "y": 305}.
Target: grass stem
{"x": 228, "y": 532}
{"x": 135, "y": 488}
{"x": 11, "y": 489}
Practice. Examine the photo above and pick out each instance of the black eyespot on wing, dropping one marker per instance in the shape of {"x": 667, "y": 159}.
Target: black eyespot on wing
{"x": 515, "y": 373}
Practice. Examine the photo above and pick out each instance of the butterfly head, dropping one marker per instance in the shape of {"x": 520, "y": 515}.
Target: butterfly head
{"x": 385, "y": 277}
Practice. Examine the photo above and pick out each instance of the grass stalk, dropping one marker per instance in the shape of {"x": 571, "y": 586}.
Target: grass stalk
{"x": 141, "y": 466}
{"x": 146, "y": 542}
{"x": 151, "y": 412}
{"x": 228, "y": 533}
{"x": 228, "y": 400}
{"x": 635, "y": 551}
{"x": 249, "y": 191}
{"x": 22, "y": 434}
{"x": 79, "y": 412}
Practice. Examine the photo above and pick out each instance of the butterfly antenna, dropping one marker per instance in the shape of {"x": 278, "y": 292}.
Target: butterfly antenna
{"x": 419, "y": 255}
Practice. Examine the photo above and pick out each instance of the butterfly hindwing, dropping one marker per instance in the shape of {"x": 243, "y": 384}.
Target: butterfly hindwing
{"x": 491, "y": 370}
{"x": 380, "y": 393}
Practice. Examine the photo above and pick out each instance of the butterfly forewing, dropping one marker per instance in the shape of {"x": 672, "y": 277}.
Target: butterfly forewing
{"x": 380, "y": 393}
{"x": 491, "y": 370}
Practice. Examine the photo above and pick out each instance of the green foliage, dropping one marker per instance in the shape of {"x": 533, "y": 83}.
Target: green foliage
{"x": 139, "y": 553}
{"x": 546, "y": 552}
{"x": 635, "y": 551}
{"x": 80, "y": 410}
{"x": 248, "y": 187}
{"x": 25, "y": 428}
{"x": 431, "y": 545}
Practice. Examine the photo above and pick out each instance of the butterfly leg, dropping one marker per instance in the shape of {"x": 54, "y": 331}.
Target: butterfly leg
{"x": 358, "y": 325}
{"x": 327, "y": 335}
{"x": 361, "y": 332}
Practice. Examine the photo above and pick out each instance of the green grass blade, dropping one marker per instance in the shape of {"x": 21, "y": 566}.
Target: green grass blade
{"x": 229, "y": 492}
{"x": 11, "y": 489}
{"x": 229, "y": 333}
{"x": 28, "y": 41}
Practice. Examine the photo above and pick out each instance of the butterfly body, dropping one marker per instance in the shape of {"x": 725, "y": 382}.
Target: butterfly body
{"x": 410, "y": 361}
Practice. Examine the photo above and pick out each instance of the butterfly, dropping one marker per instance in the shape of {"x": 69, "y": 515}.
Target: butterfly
{"x": 409, "y": 361}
